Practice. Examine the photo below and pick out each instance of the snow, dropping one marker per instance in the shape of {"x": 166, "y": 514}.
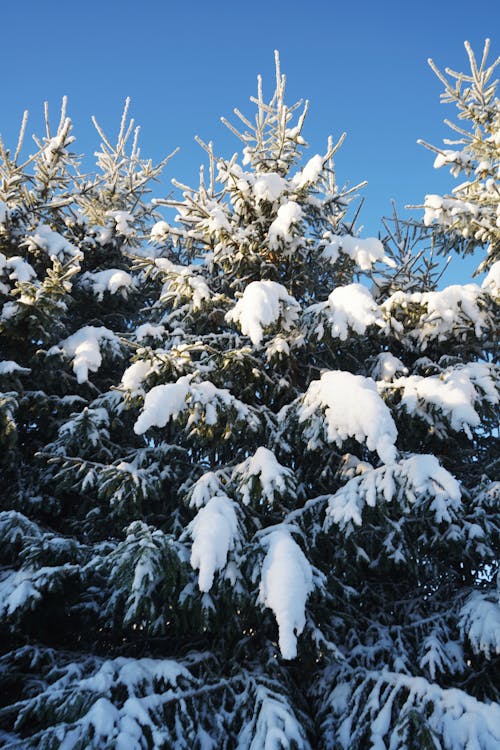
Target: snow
{"x": 206, "y": 487}
{"x": 350, "y": 307}
{"x": 491, "y": 283}
{"x": 268, "y": 186}
{"x": 480, "y": 622}
{"x": 420, "y": 477}
{"x": 165, "y": 402}
{"x": 8, "y": 366}
{"x": 309, "y": 174}
{"x": 270, "y": 473}
{"x": 122, "y": 220}
{"x": 147, "y": 330}
{"x": 363, "y": 252}
{"x": 352, "y": 409}
{"x": 280, "y": 230}
{"x": 53, "y": 243}
{"x": 263, "y": 303}
{"x": 160, "y": 231}
{"x": 84, "y": 348}
{"x": 111, "y": 280}
{"x": 387, "y": 366}
{"x": 214, "y": 531}
{"x": 286, "y": 582}
{"x": 4, "y": 212}
{"x": 20, "y": 269}
{"x": 443, "y": 310}
{"x": 454, "y": 392}
{"x": 135, "y": 375}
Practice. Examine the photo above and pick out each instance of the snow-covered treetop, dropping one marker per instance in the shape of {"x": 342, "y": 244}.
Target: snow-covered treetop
{"x": 472, "y": 211}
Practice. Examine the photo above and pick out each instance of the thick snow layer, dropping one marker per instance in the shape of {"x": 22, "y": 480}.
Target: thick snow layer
{"x": 352, "y": 408}
{"x": 286, "y": 583}
{"x": 363, "y": 252}
{"x": 263, "y": 303}
{"x": 491, "y": 283}
{"x": 165, "y": 402}
{"x": 480, "y": 622}
{"x": 16, "y": 268}
{"x": 386, "y": 366}
{"x": 4, "y": 209}
{"x": 268, "y": 186}
{"x": 135, "y": 374}
{"x": 420, "y": 477}
{"x": 214, "y": 531}
{"x": 53, "y": 243}
{"x": 453, "y": 392}
{"x": 280, "y": 230}
{"x": 160, "y": 232}
{"x": 84, "y": 348}
{"x": 271, "y": 474}
{"x": 446, "y": 211}
{"x": 349, "y": 308}
{"x": 112, "y": 280}
{"x": 444, "y": 310}
{"x": 309, "y": 174}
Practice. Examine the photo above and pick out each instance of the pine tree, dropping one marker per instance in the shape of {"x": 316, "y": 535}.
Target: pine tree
{"x": 471, "y": 215}
{"x": 270, "y": 518}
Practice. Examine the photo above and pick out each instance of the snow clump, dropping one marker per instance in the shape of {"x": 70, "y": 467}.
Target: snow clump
{"x": 285, "y": 584}
{"x": 263, "y": 303}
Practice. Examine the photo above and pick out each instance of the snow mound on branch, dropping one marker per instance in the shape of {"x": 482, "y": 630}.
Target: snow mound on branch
{"x": 480, "y": 622}
{"x": 8, "y": 366}
{"x": 112, "y": 280}
{"x": 454, "y": 393}
{"x": 286, "y": 583}
{"x": 411, "y": 481}
{"x": 206, "y": 487}
{"x": 365, "y": 253}
{"x": 122, "y": 220}
{"x": 352, "y": 409}
{"x": 270, "y": 473}
{"x": 135, "y": 375}
{"x": 84, "y": 348}
{"x": 280, "y": 230}
{"x": 53, "y": 243}
{"x": 309, "y": 174}
{"x": 262, "y": 304}
{"x": 268, "y": 186}
{"x": 214, "y": 531}
{"x": 165, "y": 402}
{"x": 148, "y": 330}
{"x": 349, "y": 307}
{"x": 17, "y": 269}
{"x": 386, "y": 366}
{"x": 4, "y": 210}
{"x": 491, "y": 283}
{"x": 444, "y": 310}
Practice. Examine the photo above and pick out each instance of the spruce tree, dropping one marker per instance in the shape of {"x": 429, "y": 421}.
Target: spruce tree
{"x": 263, "y": 509}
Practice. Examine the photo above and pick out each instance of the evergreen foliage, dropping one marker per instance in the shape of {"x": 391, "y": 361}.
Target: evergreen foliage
{"x": 250, "y": 458}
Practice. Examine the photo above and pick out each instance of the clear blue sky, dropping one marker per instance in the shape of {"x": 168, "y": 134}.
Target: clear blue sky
{"x": 361, "y": 64}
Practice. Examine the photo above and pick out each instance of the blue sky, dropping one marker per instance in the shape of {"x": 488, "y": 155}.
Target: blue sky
{"x": 361, "y": 64}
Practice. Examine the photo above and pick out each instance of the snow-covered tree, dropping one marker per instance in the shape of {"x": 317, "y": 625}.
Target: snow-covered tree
{"x": 470, "y": 216}
{"x": 270, "y": 519}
